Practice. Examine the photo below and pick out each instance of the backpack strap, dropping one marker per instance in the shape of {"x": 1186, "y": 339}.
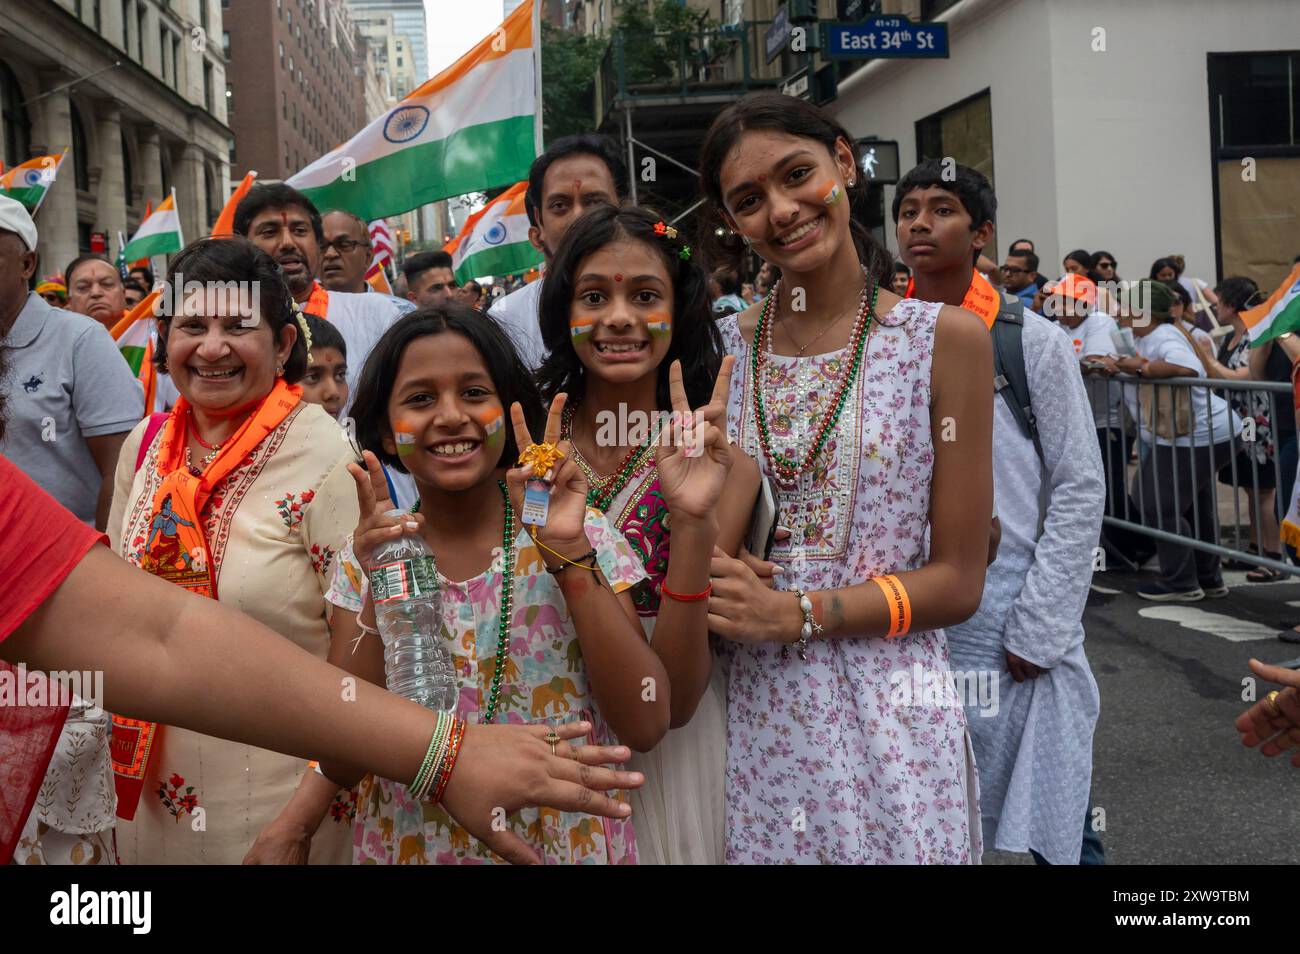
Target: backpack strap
{"x": 151, "y": 430}
{"x": 1011, "y": 380}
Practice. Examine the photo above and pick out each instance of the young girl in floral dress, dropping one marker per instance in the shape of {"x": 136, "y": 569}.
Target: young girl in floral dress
{"x": 538, "y": 629}
{"x": 625, "y": 317}
{"x": 873, "y": 414}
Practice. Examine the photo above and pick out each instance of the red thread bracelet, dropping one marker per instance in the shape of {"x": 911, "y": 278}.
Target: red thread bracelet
{"x": 687, "y": 597}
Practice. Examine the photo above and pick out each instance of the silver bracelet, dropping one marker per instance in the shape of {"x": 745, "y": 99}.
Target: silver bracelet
{"x": 810, "y": 626}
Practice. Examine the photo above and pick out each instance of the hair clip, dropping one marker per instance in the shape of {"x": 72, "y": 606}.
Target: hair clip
{"x": 685, "y": 253}
{"x": 665, "y": 230}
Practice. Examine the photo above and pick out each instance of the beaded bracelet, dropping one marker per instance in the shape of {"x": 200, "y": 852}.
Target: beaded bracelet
{"x": 450, "y": 762}
{"x": 810, "y": 626}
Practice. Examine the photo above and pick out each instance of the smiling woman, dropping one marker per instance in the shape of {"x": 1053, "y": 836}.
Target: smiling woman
{"x": 241, "y": 477}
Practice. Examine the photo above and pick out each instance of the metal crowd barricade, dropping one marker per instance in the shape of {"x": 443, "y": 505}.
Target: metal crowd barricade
{"x": 1145, "y": 460}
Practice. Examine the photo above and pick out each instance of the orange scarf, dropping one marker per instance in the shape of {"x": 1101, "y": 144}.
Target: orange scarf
{"x": 318, "y": 302}
{"x": 176, "y": 549}
{"x": 981, "y": 298}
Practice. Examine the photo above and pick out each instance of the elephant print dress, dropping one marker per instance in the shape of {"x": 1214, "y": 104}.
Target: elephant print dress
{"x": 544, "y": 681}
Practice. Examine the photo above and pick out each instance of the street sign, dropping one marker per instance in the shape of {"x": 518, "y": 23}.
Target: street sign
{"x": 886, "y": 37}
{"x": 878, "y": 159}
{"x": 797, "y": 85}
{"x": 778, "y": 34}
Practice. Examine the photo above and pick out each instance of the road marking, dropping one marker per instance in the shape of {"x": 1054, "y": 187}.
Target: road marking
{"x": 1106, "y": 590}
{"x": 1225, "y": 627}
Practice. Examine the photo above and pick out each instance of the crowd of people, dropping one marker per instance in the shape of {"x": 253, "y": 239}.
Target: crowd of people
{"x": 765, "y": 594}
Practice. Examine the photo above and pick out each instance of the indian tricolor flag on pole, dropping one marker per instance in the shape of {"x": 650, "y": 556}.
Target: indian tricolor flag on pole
{"x": 159, "y": 234}
{"x": 475, "y": 125}
{"x": 134, "y": 336}
{"x": 494, "y": 240}
{"x": 1278, "y": 315}
{"x": 29, "y": 181}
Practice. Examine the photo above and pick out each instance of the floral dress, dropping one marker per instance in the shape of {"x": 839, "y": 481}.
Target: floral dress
{"x": 544, "y": 681}
{"x": 679, "y": 811}
{"x": 825, "y": 764}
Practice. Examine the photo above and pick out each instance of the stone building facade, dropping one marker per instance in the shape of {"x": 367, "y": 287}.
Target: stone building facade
{"x": 154, "y": 121}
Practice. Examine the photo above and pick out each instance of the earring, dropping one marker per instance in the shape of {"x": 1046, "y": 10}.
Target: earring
{"x": 853, "y": 182}
{"x": 279, "y": 369}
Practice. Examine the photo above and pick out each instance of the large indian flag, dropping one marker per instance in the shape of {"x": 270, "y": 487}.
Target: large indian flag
{"x": 494, "y": 240}
{"x": 28, "y": 181}
{"x": 1278, "y": 315}
{"x": 158, "y": 234}
{"x": 475, "y": 125}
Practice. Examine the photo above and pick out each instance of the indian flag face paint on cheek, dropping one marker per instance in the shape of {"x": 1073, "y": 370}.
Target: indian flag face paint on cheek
{"x": 580, "y": 329}
{"x": 404, "y": 437}
{"x": 832, "y": 190}
{"x": 493, "y": 421}
{"x": 660, "y": 324}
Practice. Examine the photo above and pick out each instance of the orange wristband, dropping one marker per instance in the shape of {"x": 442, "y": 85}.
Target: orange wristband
{"x": 900, "y": 607}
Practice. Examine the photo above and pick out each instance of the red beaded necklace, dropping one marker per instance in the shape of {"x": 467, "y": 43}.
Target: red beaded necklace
{"x": 789, "y": 470}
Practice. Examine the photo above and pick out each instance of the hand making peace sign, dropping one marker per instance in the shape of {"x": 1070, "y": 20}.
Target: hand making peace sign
{"x": 694, "y": 464}
{"x": 374, "y": 526}
{"x": 565, "y": 530}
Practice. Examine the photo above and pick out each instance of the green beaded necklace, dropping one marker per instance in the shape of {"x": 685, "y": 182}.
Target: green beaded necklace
{"x": 786, "y": 469}
{"x": 507, "y": 600}
{"x": 603, "y": 490}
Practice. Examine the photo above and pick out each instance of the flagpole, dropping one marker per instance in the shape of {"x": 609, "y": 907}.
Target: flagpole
{"x": 537, "y": 74}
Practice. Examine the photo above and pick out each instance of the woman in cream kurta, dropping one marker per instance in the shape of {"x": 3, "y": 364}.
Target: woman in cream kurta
{"x": 273, "y": 526}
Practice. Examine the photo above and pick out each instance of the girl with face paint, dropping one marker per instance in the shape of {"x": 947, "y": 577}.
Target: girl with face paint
{"x": 625, "y": 314}
{"x": 539, "y": 628}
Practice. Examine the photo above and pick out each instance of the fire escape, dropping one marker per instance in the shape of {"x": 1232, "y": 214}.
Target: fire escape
{"x": 657, "y": 93}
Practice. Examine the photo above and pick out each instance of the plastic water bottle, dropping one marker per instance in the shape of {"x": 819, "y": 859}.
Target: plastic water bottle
{"x": 404, "y": 587}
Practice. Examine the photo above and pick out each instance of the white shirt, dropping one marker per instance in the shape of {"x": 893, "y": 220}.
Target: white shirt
{"x": 1093, "y": 337}
{"x": 1167, "y": 343}
{"x": 361, "y": 320}
{"x": 519, "y": 313}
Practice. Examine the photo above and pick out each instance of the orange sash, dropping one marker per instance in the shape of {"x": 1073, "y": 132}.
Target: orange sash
{"x": 981, "y": 298}
{"x": 176, "y": 549}
{"x": 318, "y": 302}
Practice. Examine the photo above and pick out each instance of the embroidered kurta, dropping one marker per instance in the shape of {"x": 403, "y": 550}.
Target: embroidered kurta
{"x": 822, "y": 765}
{"x": 544, "y": 680}
{"x": 273, "y": 526}
{"x": 679, "y": 811}
{"x": 1034, "y": 748}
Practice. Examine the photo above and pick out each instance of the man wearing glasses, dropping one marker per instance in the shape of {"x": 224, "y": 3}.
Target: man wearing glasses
{"x": 1018, "y": 275}
{"x": 346, "y": 256}
{"x": 430, "y": 279}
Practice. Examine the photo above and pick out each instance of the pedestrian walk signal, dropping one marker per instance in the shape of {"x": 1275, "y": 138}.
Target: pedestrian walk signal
{"x": 878, "y": 160}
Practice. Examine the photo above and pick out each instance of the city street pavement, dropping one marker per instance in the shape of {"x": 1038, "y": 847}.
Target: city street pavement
{"x": 1169, "y": 770}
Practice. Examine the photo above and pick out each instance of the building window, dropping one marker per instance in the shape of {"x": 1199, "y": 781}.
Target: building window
{"x": 162, "y": 52}
{"x": 141, "y": 14}
{"x": 126, "y": 27}
{"x": 284, "y": 104}
{"x": 963, "y": 131}
{"x": 80, "y": 159}
{"x": 208, "y": 104}
{"x": 291, "y": 66}
{"x": 203, "y": 15}
{"x": 128, "y": 174}
{"x": 99, "y": 17}
{"x": 177, "y": 62}
{"x": 1257, "y": 99}
{"x": 230, "y": 143}
{"x": 288, "y": 18}
{"x": 13, "y": 119}
{"x": 230, "y": 100}
{"x": 281, "y": 46}
{"x": 225, "y": 43}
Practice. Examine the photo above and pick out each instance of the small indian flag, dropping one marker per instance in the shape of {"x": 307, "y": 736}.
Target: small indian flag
{"x": 475, "y": 125}
{"x": 159, "y": 234}
{"x": 660, "y": 325}
{"x": 377, "y": 279}
{"x": 581, "y": 327}
{"x": 134, "y": 336}
{"x": 494, "y": 240}
{"x": 28, "y": 182}
{"x": 1278, "y": 315}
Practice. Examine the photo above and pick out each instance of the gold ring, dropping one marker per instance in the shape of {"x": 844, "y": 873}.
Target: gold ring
{"x": 1271, "y": 699}
{"x": 552, "y": 738}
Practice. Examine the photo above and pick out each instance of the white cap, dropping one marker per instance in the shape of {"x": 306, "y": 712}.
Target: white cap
{"x": 14, "y": 218}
